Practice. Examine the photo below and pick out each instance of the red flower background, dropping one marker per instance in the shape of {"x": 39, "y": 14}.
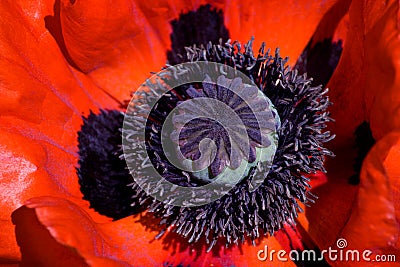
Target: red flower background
{"x": 60, "y": 59}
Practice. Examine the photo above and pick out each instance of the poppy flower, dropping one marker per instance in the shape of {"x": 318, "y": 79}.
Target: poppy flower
{"x": 62, "y": 59}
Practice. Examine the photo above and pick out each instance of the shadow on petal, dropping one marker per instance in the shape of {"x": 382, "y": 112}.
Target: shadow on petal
{"x": 38, "y": 247}
{"x": 55, "y": 232}
{"x": 53, "y": 24}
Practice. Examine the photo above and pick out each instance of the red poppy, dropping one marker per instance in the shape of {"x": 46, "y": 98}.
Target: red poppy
{"x": 98, "y": 51}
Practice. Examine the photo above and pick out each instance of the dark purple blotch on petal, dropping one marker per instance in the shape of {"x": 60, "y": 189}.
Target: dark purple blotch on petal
{"x": 195, "y": 27}
{"x": 364, "y": 141}
{"x": 103, "y": 175}
{"x": 320, "y": 60}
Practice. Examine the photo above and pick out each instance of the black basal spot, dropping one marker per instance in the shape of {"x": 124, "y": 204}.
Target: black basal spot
{"x": 195, "y": 27}
{"x": 103, "y": 175}
{"x": 320, "y": 60}
{"x": 364, "y": 141}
